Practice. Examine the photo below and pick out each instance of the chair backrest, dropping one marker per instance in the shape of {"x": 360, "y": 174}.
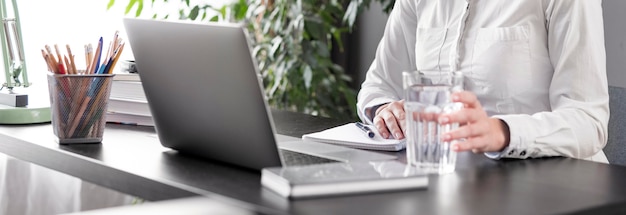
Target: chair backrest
{"x": 615, "y": 148}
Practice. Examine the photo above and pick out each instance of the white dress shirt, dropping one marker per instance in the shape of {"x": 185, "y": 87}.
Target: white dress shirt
{"x": 539, "y": 65}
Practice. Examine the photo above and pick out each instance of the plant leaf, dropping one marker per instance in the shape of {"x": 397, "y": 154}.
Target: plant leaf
{"x": 193, "y": 14}
{"x": 215, "y": 18}
{"x": 307, "y": 76}
{"x": 139, "y": 8}
{"x": 223, "y": 11}
{"x": 130, "y": 5}
{"x": 292, "y": 42}
{"x": 111, "y": 2}
{"x": 241, "y": 10}
{"x": 276, "y": 42}
{"x": 351, "y": 12}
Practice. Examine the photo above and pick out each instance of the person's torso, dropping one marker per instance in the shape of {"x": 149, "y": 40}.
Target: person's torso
{"x": 500, "y": 46}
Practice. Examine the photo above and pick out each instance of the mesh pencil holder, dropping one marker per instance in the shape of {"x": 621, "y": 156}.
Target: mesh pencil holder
{"x": 79, "y": 104}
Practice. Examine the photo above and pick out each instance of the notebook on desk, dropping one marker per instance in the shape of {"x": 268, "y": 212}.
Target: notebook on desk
{"x": 351, "y": 135}
{"x": 206, "y": 96}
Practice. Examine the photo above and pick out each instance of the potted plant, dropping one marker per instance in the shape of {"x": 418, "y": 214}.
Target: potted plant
{"x": 292, "y": 42}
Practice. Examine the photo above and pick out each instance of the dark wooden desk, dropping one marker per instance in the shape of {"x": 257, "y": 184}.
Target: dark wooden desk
{"x": 132, "y": 161}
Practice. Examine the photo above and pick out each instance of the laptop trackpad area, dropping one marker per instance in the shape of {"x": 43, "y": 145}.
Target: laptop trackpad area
{"x": 329, "y": 151}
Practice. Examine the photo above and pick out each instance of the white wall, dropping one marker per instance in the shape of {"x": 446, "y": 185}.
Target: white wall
{"x": 76, "y": 22}
{"x": 73, "y": 22}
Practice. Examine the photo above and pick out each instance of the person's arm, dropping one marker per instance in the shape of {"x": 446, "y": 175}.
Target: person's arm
{"x": 577, "y": 125}
{"x": 395, "y": 53}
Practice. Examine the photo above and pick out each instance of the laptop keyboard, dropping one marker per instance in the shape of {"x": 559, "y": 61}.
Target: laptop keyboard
{"x": 292, "y": 158}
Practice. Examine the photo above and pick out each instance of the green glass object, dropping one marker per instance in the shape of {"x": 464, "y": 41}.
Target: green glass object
{"x": 24, "y": 115}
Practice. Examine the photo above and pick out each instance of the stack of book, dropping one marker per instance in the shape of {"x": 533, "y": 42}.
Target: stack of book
{"x": 127, "y": 102}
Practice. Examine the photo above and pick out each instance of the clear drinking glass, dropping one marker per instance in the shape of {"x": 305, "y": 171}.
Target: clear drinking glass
{"x": 427, "y": 95}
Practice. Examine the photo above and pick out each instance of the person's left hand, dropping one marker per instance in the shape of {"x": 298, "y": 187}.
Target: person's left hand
{"x": 477, "y": 131}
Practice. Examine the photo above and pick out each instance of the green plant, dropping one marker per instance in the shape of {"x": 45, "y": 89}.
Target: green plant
{"x": 292, "y": 42}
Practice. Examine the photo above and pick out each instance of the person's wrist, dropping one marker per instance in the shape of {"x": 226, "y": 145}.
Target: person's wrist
{"x": 380, "y": 108}
{"x": 374, "y": 110}
{"x": 503, "y": 137}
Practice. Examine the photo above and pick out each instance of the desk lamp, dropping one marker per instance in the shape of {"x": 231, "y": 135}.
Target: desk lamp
{"x": 14, "y": 100}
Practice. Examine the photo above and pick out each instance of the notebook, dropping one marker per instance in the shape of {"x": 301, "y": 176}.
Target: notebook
{"x": 206, "y": 97}
{"x": 352, "y": 136}
{"x": 342, "y": 179}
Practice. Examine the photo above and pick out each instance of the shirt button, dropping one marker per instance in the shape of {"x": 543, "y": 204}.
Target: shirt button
{"x": 512, "y": 151}
{"x": 522, "y": 153}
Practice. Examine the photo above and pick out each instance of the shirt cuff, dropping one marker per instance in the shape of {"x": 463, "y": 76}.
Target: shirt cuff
{"x": 372, "y": 110}
{"x": 375, "y": 102}
{"x": 518, "y": 147}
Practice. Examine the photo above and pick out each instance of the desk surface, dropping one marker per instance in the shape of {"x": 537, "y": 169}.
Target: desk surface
{"x": 132, "y": 161}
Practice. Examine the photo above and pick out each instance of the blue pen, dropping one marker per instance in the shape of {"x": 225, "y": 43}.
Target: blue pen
{"x": 368, "y": 131}
{"x": 99, "y": 50}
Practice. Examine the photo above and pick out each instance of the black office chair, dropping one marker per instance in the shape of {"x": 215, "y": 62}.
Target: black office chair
{"x": 615, "y": 148}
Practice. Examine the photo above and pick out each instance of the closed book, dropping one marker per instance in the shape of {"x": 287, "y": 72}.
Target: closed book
{"x": 342, "y": 178}
{"x": 132, "y": 90}
{"x": 129, "y": 119}
{"x": 351, "y": 135}
{"x": 126, "y": 77}
{"x": 129, "y": 106}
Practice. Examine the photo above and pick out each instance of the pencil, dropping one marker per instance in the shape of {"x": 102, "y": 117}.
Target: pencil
{"x": 89, "y": 88}
{"x": 102, "y": 94}
{"x": 47, "y": 59}
{"x": 96, "y": 58}
{"x": 82, "y": 86}
{"x": 116, "y": 39}
{"x": 53, "y": 61}
{"x": 72, "y": 63}
{"x": 111, "y": 65}
{"x": 67, "y": 62}
{"x": 108, "y": 55}
{"x": 61, "y": 104}
{"x": 89, "y": 58}
{"x": 77, "y": 117}
{"x": 61, "y": 68}
{"x": 56, "y": 48}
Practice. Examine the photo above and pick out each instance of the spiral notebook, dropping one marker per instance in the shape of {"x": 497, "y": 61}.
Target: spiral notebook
{"x": 352, "y": 136}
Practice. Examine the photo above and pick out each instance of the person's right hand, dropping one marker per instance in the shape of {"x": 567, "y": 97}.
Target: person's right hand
{"x": 390, "y": 119}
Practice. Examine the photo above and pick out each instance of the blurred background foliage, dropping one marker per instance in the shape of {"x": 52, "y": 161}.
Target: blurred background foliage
{"x": 292, "y": 41}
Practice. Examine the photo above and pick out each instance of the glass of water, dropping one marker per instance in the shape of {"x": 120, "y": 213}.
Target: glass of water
{"x": 427, "y": 95}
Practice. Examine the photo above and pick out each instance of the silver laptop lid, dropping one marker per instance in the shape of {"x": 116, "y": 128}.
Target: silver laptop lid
{"x": 204, "y": 90}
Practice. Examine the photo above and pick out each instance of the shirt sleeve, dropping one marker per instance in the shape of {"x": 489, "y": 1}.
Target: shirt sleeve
{"x": 577, "y": 125}
{"x": 395, "y": 53}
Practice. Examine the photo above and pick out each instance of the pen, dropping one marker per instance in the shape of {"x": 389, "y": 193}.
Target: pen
{"x": 96, "y": 58}
{"x": 118, "y": 52}
{"x": 365, "y": 129}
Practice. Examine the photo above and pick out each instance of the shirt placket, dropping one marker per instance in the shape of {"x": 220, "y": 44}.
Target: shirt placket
{"x": 455, "y": 54}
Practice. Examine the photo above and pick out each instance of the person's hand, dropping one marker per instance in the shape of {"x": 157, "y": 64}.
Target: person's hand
{"x": 390, "y": 119}
{"x": 477, "y": 131}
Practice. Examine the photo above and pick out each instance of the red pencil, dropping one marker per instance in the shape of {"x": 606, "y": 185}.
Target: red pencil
{"x": 62, "y": 69}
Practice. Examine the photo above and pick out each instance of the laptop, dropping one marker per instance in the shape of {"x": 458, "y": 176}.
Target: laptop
{"x": 206, "y": 97}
